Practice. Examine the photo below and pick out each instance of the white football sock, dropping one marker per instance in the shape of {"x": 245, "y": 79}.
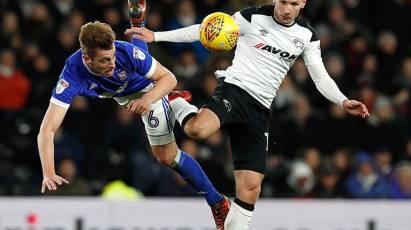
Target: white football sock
{"x": 182, "y": 108}
{"x": 238, "y": 218}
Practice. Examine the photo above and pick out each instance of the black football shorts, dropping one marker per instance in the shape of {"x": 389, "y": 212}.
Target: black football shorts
{"x": 245, "y": 120}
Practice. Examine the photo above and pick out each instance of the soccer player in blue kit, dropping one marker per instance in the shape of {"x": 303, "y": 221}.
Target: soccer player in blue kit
{"x": 107, "y": 68}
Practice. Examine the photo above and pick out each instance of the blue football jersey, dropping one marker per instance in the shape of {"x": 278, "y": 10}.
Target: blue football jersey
{"x": 130, "y": 80}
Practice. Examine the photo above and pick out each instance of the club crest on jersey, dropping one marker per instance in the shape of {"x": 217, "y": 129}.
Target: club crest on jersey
{"x": 61, "y": 86}
{"x": 138, "y": 54}
{"x": 263, "y": 32}
{"x": 298, "y": 43}
{"x": 284, "y": 55}
{"x": 121, "y": 74}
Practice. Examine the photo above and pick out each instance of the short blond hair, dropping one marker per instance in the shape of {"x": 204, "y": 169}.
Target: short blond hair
{"x": 96, "y": 35}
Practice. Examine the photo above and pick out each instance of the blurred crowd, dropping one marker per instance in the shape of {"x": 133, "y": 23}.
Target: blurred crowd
{"x": 319, "y": 150}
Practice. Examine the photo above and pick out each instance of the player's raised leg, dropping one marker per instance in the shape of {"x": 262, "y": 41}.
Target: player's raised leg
{"x": 159, "y": 127}
{"x": 137, "y": 13}
{"x": 198, "y": 124}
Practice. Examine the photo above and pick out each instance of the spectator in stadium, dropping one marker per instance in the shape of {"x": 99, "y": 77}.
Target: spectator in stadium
{"x": 14, "y": 84}
{"x": 368, "y": 75}
{"x": 297, "y": 129}
{"x": 365, "y": 182}
{"x": 39, "y": 71}
{"x": 67, "y": 145}
{"x": 338, "y": 119}
{"x": 78, "y": 186}
{"x": 402, "y": 181}
{"x": 335, "y": 66}
{"x": 185, "y": 15}
{"x": 312, "y": 157}
{"x": 10, "y": 36}
{"x": 341, "y": 161}
{"x": 39, "y": 27}
{"x": 406, "y": 155}
{"x": 187, "y": 70}
{"x": 402, "y": 86}
{"x": 300, "y": 181}
{"x": 384, "y": 127}
{"x": 289, "y": 90}
{"x": 389, "y": 53}
{"x": 76, "y": 19}
{"x": 327, "y": 184}
{"x": 383, "y": 158}
{"x": 63, "y": 46}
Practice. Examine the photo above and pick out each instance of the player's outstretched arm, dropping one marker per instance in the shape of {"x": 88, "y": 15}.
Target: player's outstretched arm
{"x": 141, "y": 33}
{"x": 326, "y": 85}
{"x": 186, "y": 34}
{"x": 165, "y": 81}
{"x": 51, "y": 121}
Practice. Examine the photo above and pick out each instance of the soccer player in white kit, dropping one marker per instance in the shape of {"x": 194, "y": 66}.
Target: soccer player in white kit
{"x": 271, "y": 39}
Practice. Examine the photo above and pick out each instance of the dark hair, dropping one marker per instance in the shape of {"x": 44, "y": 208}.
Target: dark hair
{"x": 96, "y": 35}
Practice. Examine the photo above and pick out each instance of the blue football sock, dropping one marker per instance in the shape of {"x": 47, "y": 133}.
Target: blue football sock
{"x": 139, "y": 43}
{"x": 191, "y": 171}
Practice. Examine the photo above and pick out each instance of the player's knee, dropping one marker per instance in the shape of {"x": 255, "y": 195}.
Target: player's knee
{"x": 196, "y": 130}
{"x": 165, "y": 159}
{"x": 165, "y": 154}
{"x": 250, "y": 187}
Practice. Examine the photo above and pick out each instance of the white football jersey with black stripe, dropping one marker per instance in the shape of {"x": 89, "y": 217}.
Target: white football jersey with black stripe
{"x": 266, "y": 50}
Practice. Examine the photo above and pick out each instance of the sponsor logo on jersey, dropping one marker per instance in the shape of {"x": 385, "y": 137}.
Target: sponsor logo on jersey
{"x": 284, "y": 55}
{"x": 61, "y": 86}
{"x": 121, "y": 74}
{"x": 92, "y": 86}
{"x": 298, "y": 43}
{"x": 138, "y": 54}
{"x": 263, "y": 32}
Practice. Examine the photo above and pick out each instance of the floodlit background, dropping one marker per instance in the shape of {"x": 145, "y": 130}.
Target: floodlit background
{"x": 366, "y": 47}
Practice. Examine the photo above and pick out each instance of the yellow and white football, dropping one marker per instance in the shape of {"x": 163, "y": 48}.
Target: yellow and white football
{"x": 219, "y": 32}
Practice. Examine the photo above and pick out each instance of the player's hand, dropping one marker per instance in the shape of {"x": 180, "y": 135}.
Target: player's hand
{"x": 51, "y": 182}
{"x": 355, "y": 108}
{"x": 141, "y": 33}
{"x": 139, "y": 106}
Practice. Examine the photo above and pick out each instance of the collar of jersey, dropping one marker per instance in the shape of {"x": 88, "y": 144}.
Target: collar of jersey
{"x": 281, "y": 24}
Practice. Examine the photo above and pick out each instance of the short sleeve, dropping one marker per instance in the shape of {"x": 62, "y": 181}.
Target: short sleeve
{"x": 66, "y": 89}
{"x": 243, "y": 20}
{"x": 243, "y": 17}
{"x": 144, "y": 63}
{"x": 312, "y": 52}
